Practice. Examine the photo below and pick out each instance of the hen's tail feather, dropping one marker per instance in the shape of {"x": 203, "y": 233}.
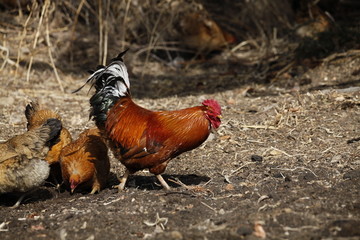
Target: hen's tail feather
{"x": 30, "y": 109}
{"x": 55, "y": 126}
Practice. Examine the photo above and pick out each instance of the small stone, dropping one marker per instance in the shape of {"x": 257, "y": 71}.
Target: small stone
{"x": 308, "y": 176}
{"x": 244, "y": 231}
{"x": 353, "y": 174}
{"x": 336, "y": 159}
{"x": 340, "y": 98}
{"x": 287, "y": 210}
{"x": 176, "y": 235}
{"x": 256, "y": 158}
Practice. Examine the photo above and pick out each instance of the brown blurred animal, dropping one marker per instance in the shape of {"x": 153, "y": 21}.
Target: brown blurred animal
{"x": 22, "y": 158}
{"x": 85, "y": 163}
{"x": 317, "y": 21}
{"x": 140, "y": 138}
{"x": 201, "y": 33}
{"x": 37, "y": 115}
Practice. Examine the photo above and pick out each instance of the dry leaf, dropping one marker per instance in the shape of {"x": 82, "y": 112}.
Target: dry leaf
{"x": 259, "y": 231}
{"x": 225, "y": 137}
{"x": 229, "y": 187}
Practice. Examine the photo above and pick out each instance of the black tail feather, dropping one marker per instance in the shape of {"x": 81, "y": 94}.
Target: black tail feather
{"x": 119, "y": 57}
{"x": 111, "y": 82}
{"x": 55, "y": 128}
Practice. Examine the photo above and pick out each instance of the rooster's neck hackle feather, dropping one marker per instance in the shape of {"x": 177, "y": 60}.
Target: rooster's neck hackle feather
{"x": 111, "y": 83}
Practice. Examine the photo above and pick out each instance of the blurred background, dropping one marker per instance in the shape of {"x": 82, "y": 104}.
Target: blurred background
{"x": 176, "y": 47}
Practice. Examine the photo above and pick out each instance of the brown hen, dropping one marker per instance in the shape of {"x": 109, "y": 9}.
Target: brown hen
{"x": 22, "y": 158}
{"x": 85, "y": 163}
{"x": 37, "y": 115}
{"x": 201, "y": 33}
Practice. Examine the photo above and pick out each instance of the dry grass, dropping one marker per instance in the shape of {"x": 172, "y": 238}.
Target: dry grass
{"x": 66, "y": 36}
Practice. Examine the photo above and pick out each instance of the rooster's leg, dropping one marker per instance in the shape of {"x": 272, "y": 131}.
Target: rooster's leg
{"x": 162, "y": 181}
{"x": 123, "y": 180}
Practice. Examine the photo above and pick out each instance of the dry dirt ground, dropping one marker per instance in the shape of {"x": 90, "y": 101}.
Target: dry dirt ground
{"x": 284, "y": 164}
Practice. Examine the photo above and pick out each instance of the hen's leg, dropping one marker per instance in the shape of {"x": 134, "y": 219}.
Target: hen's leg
{"x": 162, "y": 181}
{"x": 123, "y": 180}
{"x": 96, "y": 187}
{"x": 17, "y": 204}
{"x": 19, "y": 201}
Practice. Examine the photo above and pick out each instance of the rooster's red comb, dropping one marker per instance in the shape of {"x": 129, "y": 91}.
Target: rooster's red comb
{"x": 215, "y": 106}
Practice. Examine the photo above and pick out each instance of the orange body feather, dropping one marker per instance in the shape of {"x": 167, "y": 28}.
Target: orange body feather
{"x": 146, "y": 139}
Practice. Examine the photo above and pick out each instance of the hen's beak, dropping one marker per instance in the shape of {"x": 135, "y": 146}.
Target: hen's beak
{"x": 219, "y": 116}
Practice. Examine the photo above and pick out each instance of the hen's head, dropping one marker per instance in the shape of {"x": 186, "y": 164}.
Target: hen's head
{"x": 74, "y": 182}
{"x": 213, "y": 112}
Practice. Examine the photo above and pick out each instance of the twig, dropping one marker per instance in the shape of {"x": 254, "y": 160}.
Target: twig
{"x": 293, "y": 169}
{"x": 146, "y": 49}
{"x": 77, "y": 13}
{"x": 244, "y": 43}
{"x": 259, "y": 127}
{"x": 33, "y": 6}
{"x": 106, "y": 33}
{"x": 152, "y": 42}
{"x": 300, "y": 229}
{"x": 263, "y": 198}
{"x": 4, "y": 226}
{"x": 101, "y": 34}
{"x": 193, "y": 189}
{"x": 162, "y": 221}
{"x": 283, "y": 152}
{"x": 326, "y": 150}
{"x": 332, "y": 57}
{"x": 50, "y": 54}
{"x": 6, "y": 57}
{"x": 124, "y": 24}
{"x": 208, "y": 206}
{"x": 45, "y": 7}
{"x": 239, "y": 168}
{"x": 284, "y": 69}
{"x": 113, "y": 201}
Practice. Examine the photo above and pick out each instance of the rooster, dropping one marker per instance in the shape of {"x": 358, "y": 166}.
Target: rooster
{"x": 22, "y": 158}
{"x": 37, "y": 115}
{"x": 141, "y": 138}
{"x": 85, "y": 162}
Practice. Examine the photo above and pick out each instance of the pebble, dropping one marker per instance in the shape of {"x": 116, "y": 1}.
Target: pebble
{"x": 336, "y": 159}
{"x": 353, "y": 174}
{"x": 256, "y": 158}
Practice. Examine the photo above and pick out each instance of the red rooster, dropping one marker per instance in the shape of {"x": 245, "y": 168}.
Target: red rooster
{"x": 140, "y": 138}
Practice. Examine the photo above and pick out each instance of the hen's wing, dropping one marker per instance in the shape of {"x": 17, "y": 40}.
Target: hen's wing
{"x": 6, "y": 152}
{"x": 31, "y": 142}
